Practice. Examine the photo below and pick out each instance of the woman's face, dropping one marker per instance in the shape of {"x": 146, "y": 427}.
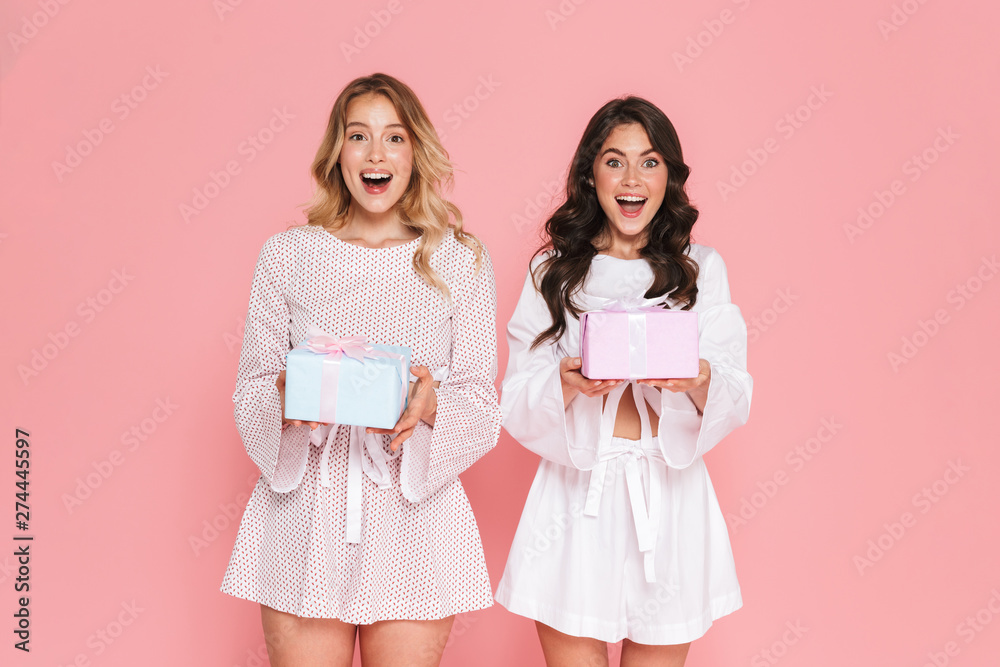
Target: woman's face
{"x": 377, "y": 156}
{"x": 631, "y": 180}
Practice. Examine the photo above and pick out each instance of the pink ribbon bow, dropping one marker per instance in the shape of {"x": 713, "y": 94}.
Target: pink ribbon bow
{"x": 355, "y": 347}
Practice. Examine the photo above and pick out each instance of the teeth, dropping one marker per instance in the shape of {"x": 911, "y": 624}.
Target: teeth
{"x": 377, "y": 176}
{"x": 630, "y": 198}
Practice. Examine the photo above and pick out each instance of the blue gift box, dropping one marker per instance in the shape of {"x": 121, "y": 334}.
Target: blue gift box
{"x": 347, "y": 381}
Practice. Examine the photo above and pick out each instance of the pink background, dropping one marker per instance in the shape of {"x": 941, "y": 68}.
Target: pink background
{"x": 827, "y": 304}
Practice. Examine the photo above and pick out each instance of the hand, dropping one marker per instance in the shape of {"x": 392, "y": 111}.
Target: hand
{"x": 422, "y": 405}
{"x": 574, "y": 383}
{"x": 696, "y": 387}
{"x": 279, "y": 382}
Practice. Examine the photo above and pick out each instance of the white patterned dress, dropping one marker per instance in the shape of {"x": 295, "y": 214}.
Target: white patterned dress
{"x": 419, "y": 556}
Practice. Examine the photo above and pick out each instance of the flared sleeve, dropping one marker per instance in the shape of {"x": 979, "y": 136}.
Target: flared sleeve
{"x": 685, "y": 435}
{"x": 467, "y": 423}
{"x": 531, "y": 392}
{"x": 280, "y": 454}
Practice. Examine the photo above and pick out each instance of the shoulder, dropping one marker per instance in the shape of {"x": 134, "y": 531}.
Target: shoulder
{"x": 710, "y": 262}
{"x": 282, "y": 252}
{"x": 459, "y": 262}
{"x": 540, "y": 257}
{"x": 713, "y": 278}
{"x": 535, "y": 265}
{"x": 703, "y": 254}
{"x": 292, "y": 239}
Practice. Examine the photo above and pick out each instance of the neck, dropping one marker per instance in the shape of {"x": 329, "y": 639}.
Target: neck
{"x": 612, "y": 243}
{"x": 375, "y": 229}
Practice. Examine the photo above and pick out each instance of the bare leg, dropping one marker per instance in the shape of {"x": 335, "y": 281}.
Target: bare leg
{"x": 404, "y": 643}
{"x": 293, "y": 641}
{"x": 644, "y": 655}
{"x": 562, "y": 650}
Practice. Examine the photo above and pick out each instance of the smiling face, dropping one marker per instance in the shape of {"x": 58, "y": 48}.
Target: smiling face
{"x": 630, "y": 178}
{"x": 377, "y": 155}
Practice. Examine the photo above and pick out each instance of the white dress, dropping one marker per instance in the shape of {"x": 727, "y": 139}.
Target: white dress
{"x": 419, "y": 555}
{"x": 578, "y": 562}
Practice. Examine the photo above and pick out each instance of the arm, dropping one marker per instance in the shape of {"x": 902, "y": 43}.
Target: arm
{"x": 280, "y": 454}
{"x": 692, "y": 423}
{"x": 466, "y": 416}
{"x": 556, "y": 422}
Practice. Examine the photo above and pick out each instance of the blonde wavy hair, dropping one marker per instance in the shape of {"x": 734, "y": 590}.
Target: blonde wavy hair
{"x": 422, "y": 206}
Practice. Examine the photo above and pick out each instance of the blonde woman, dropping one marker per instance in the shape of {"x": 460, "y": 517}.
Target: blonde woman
{"x": 383, "y": 255}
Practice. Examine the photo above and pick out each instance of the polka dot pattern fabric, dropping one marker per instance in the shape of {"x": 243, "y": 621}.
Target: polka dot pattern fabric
{"x": 420, "y": 556}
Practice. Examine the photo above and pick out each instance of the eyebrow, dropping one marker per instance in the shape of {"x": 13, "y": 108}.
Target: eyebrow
{"x": 356, "y": 122}
{"x": 618, "y": 152}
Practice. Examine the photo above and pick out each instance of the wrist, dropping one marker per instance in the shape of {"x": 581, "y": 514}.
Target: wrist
{"x": 430, "y": 412}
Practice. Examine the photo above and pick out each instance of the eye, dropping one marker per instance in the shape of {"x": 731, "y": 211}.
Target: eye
{"x": 397, "y": 139}
{"x": 650, "y": 163}
{"x": 614, "y": 163}
{"x": 357, "y": 136}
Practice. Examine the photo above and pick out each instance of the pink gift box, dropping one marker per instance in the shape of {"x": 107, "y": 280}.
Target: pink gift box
{"x": 620, "y": 342}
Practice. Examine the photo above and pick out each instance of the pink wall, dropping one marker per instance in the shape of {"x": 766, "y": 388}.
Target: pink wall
{"x": 872, "y": 343}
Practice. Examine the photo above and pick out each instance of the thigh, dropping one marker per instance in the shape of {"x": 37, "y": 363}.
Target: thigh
{"x": 293, "y": 641}
{"x": 645, "y": 655}
{"x": 562, "y": 650}
{"x": 403, "y": 642}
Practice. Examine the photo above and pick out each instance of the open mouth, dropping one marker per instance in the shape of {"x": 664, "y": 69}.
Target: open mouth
{"x": 375, "y": 183}
{"x": 630, "y": 205}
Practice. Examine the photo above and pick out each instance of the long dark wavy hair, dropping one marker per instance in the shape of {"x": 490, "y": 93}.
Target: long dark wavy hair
{"x": 575, "y": 230}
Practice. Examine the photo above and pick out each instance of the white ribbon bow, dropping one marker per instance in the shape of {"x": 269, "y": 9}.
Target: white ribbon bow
{"x": 366, "y": 456}
{"x": 645, "y": 506}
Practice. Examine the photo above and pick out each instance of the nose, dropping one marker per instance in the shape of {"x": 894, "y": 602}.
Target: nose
{"x": 631, "y": 176}
{"x": 376, "y": 152}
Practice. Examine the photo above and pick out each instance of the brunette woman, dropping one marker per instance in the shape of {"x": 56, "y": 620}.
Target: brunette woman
{"x": 622, "y": 537}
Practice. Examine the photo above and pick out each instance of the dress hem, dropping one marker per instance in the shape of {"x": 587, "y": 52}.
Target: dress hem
{"x": 365, "y": 621}
{"x": 583, "y": 626}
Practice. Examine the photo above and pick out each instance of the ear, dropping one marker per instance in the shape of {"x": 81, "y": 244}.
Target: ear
{"x": 590, "y": 181}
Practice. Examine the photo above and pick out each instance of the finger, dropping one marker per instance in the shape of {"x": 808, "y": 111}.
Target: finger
{"x": 602, "y": 387}
{"x": 398, "y": 440}
{"x": 570, "y": 363}
{"x": 407, "y": 420}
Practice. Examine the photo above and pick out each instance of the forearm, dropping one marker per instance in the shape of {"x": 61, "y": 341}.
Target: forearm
{"x": 699, "y": 396}
{"x": 568, "y": 393}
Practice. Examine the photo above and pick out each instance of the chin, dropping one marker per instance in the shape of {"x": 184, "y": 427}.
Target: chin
{"x": 632, "y": 228}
